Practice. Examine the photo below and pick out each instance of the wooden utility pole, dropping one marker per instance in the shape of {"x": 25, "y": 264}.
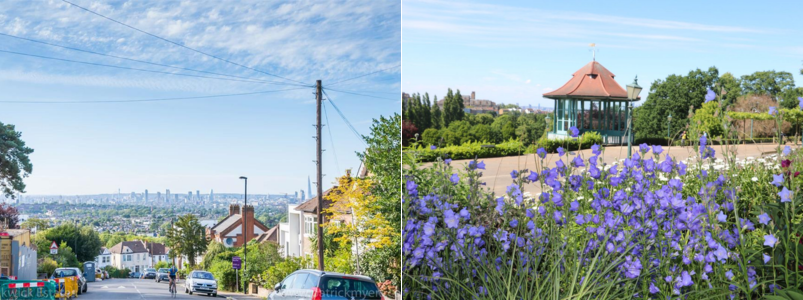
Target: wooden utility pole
{"x": 318, "y": 138}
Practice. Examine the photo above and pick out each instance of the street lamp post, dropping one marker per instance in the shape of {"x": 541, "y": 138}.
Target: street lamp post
{"x": 668, "y": 124}
{"x": 633, "y": 90}
{"x": 245, "y": 234}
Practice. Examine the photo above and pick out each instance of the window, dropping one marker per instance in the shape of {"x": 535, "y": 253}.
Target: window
{"x": 311, "y": 282}
{"x": 300, "y": 280}
{"x": 310, "y": 225}
{"x": 288, "y": 282}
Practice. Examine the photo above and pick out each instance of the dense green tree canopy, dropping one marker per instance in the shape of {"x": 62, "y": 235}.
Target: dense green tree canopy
{"x": 673, "y": 95}
{"x": 767, "y": 83}
{"x": 14, "y": 162}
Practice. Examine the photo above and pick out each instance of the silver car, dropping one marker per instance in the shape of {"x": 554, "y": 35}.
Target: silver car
{"x": 201, "y": 282}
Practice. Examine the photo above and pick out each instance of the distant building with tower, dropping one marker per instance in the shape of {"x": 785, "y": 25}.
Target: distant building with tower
{"x": 309, "y": 187}
{"x": 167, "y": 195}
{"x": 146, "y": 195}
{"x": 474, "y": 106}
{"x": 212, "y": 195}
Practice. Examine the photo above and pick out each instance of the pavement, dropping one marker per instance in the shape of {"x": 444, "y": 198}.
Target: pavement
{"x": 497, "y": 170}
{"x": 147, "y": 289}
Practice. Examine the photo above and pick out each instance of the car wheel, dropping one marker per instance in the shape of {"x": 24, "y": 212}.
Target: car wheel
{"x": 214, "y": 295}
{"x": 190, "y": 292}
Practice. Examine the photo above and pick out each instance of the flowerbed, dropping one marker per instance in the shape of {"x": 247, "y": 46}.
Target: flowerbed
{"x": 649, "y": 227}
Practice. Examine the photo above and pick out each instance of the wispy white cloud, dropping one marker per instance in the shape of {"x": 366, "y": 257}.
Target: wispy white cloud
{"x": 302, "y": 40}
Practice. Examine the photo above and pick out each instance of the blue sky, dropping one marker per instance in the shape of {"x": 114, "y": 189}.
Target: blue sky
{"x": 190, "y": 145}
{"x": 516, "y": 51}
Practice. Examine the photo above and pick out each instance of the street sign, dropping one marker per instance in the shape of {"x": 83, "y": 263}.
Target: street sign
{"x": 235, "y": 262}
{"x": 54, "y": 249}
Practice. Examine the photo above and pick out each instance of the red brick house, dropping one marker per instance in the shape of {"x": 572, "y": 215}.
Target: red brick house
{"x": 229, "y": 231}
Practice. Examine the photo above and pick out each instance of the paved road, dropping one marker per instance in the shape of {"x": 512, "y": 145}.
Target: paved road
{"x": 143, "y": 289}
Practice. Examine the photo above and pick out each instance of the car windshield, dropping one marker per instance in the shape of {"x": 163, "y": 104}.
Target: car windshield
{"x": 65, "y": 272}
{"x": 350, "y": 287}
{"x": 203, "y": 275}
{"x": 162, "y": 270}
{"x": 151, "y": 270}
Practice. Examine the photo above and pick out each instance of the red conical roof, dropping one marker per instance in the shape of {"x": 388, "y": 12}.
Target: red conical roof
{"x": 592, "y": 81}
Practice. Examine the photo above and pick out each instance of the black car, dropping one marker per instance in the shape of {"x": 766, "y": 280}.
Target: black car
{"x": 315, "y": 284}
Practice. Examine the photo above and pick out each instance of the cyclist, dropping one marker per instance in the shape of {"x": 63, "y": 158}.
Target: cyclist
{"x": 172, "y": 274}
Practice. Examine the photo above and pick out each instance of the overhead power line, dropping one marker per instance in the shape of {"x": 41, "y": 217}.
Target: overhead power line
{"x": 127, "y": 68}
{"x": 363, "y": 75}
{"x": 331, "y": 139}
{"x": 149, "y": 100}
{"x": 353, "y": 130}
{"x": 178, "y": 44}
{"x": 139, "y": 61}
{"x": 364, "y": 95}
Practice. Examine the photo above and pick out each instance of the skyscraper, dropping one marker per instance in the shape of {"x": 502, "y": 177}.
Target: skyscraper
{"x": 198, "y": 195}
{"x": 189, "y": 196}
{"x": 211, "y": 195}
{"x": 167, "y": 196}
{"x": 158, "y": 196}
{"x": 146, "y": 195}
{"x": 302, "y": 196}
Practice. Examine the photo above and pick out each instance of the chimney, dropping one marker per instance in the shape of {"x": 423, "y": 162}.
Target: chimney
{"x": 473, "y": 95}
{"x": 348, "y": 172}
{"x": 234, "y": 209}
{"x": 247, "y": 213}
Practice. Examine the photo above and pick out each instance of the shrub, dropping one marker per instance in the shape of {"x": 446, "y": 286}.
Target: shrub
{"x": 225, "y": 275}
{"x": 276, "y": 273}
{"x": 431, "y": 136}
{"x": 47, "y": 266}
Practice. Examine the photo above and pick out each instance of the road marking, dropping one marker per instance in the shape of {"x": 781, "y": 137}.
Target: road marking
{"x": 140, "y": 293}
{"x": 121, "y": 287}
{"x": 105, "y": 287}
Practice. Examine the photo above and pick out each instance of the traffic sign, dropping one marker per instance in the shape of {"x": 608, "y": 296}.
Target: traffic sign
{"x": 54, "y": 249}
{"x": 235, "y": 262}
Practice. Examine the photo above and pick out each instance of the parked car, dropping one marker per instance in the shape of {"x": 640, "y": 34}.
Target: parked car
{"x": 315, "y": 284}
{"x": 65, "y": 272}
{"x": 134, "y": 275}
{"x": 149, "y": 274}
{"x": 162, "y": 275}
{"x": 201, "y": 282}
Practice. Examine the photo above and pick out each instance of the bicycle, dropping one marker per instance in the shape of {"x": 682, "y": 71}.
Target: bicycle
{"x": 172, "y": 287}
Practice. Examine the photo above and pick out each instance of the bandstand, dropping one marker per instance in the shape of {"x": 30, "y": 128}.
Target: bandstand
{"x": 592, "y": 101}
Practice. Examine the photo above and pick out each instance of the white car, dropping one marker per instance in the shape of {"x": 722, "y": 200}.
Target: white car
{"x": 201, "y": 282}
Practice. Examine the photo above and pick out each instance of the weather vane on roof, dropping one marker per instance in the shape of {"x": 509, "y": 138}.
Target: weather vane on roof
{"x": 593, "y": 51}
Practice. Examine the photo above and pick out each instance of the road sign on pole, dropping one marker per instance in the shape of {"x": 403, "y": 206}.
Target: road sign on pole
{"x": 235, "y": 262}
{"x": 54, "y": 249}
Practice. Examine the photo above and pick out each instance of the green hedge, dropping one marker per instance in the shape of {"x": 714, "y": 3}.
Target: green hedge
{"x": 512, "y": 147}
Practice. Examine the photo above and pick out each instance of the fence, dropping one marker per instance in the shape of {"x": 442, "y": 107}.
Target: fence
{"x": 27, "y": 290}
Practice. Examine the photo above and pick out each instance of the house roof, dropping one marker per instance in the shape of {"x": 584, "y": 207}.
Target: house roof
{"x": 592, "y": 81}
{"x": 311, "y": 205}
{"x": 157, "y": 249}
{"x": 135, "y": 246}
{"x": 226, "y": 223}
{"x": 272, "y": 235}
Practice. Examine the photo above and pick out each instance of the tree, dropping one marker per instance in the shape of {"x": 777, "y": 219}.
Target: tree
{"x": 425, "y": 113}
{"x": 770, "y": 83}
{"x": 789, "y": 98}
{"x": 452, "y": 107}
{"x": 187, "y": 238}
{"x": 408, "y": 132}
{"x": 14, "y": 162}
{"x": 83, "y": 240}
{"x": 673, "y": 95}
{"x": 383, "y": 162}
{"x": 435, "y": 114}
{"x": 9, "y": 216}
{"x": 39, "y": 224}
{"x": 731, "y": 87}
{"x": 431, "y": 137}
